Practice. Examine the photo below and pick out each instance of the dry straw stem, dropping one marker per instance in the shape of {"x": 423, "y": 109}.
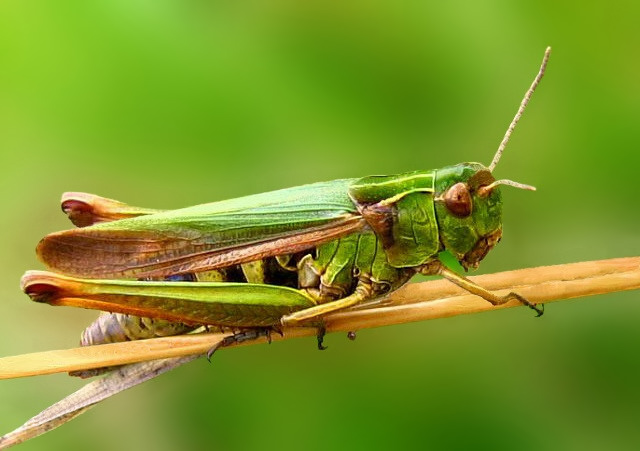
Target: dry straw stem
{"x": 414, "y": 302}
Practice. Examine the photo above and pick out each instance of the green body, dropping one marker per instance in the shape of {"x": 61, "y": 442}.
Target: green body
{"x": 258, "y": 258}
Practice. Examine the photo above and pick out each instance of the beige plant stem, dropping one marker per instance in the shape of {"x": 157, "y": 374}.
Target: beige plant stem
{"x": 414, "y": 302}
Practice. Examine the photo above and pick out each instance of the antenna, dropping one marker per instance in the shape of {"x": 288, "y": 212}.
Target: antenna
{"x": 523, "y": 105}
{"x": 486, "y": 190}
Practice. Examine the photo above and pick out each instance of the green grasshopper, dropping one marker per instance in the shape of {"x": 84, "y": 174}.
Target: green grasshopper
{"x": 283, "y": 258}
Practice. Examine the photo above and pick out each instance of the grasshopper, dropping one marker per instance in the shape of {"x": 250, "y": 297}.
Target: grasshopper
{"x": 283, "y": 258}
{"x": 254, "y": 264}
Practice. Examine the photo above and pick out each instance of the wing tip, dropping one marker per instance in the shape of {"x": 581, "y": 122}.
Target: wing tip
{"x": 46, "y": 250}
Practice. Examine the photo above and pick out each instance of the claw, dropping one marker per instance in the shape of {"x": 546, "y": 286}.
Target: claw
{"x": 539, "y": 309}
{"x": 320, "y": 337}
{"x": 211, "y": 351}
{"x": 239, "y": 337}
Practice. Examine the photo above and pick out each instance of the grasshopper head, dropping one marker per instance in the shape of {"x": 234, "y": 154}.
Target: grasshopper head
{"x": 469, "y": 215}
{"x": 468, "y": 207}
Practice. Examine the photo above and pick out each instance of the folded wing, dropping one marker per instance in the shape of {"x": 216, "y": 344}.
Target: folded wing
{"x": 206, "y": 236}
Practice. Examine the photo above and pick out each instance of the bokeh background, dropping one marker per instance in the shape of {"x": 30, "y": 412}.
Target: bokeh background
{"x": 172, "y": 103}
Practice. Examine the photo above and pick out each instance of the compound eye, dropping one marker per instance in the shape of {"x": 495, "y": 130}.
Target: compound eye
{"x": 458, "y": 200}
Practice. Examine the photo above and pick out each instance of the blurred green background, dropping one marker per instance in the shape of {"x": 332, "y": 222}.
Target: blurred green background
{"x": 172, "y": 103}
